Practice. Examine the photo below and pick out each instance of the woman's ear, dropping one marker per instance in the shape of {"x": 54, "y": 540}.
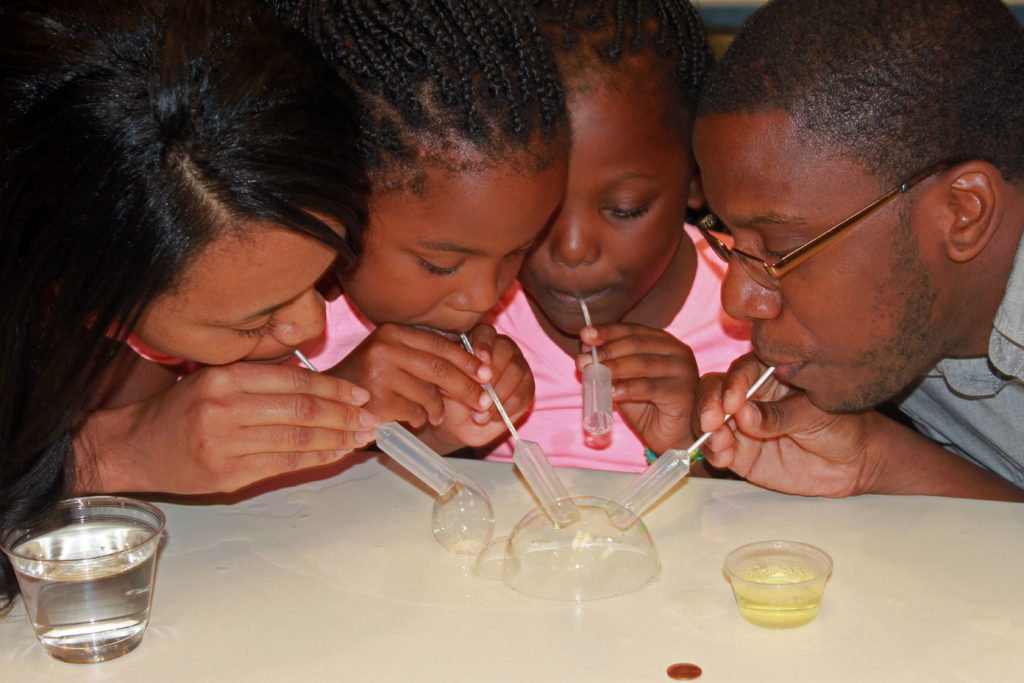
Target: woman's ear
{"x": 973, "y": 195}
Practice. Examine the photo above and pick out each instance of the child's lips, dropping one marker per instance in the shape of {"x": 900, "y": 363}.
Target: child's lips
{"x": 447, "y": 334}
{"x": 573, "y": 298}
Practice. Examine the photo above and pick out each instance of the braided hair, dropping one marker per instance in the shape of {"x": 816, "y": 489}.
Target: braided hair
{"x": 434, "y": 76}
{"x": 669, "y": 33}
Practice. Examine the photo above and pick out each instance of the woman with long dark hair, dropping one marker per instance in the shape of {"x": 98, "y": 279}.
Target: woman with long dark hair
{"x": 181, "y": 173}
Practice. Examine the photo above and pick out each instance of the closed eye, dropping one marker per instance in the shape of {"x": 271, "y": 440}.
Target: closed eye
{"x": 628, "y": 214}
{"x": 438, "y": 270}
{"x": 258, "y": 332}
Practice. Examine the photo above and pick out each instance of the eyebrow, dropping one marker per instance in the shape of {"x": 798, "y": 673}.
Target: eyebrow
{"x": 450, "y": 246}
{"x": 462, "y": 249}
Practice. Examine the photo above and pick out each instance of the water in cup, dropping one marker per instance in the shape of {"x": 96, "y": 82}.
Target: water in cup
{"x": 87, "y": 583}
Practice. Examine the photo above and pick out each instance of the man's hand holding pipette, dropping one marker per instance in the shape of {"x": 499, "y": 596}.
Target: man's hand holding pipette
{"x": 654, "y": 376}
{"x": 784, "y": 442}
{"x": 781, "y": 440}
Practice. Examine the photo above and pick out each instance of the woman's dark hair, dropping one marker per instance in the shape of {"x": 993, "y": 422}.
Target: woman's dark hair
{"x": 669, "y": 33}
{"x": 894, "y": 84}
{"x": 432, "y": 75}
{"x": 132, "y": 134}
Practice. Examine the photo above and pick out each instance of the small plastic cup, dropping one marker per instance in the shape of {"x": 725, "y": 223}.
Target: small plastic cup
{"x": 86, "y": 575}
{"x": 778, "y": 584}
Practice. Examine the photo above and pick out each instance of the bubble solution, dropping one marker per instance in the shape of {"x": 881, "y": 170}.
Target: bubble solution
{"x": 767, "y": 596}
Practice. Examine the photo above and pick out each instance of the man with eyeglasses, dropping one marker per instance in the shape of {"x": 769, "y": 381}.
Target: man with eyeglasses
{"x": 864, "y": 165}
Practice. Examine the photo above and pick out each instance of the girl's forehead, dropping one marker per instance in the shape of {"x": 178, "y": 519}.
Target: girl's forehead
{"x": 500, "y": 207}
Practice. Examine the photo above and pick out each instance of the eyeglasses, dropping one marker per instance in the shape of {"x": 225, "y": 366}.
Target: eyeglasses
{"x": 768, "y": 274}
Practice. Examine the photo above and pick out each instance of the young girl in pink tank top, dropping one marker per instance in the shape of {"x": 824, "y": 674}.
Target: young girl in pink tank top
{"x": 620, "y": 242}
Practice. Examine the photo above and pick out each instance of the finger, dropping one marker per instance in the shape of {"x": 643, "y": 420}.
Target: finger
{"x": 406, "y": 398}
{"x": 742, "y": 375}
{"x": 438, "y": 346}
{"x": 483, "y": 338}
{"x": 792, "y": 414}
{"x": 263, "y": 378}
{"x": 304, "y": 410}
{"x": 638, "y": 341}
{"x": 298, "y": 440}
{"x": 256, "y": 467}
{"x": 515, "y": 389}
{"x": 670, "y": 398}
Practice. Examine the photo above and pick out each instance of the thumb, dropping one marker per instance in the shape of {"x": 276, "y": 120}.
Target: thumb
{"x": 773, "y": 419}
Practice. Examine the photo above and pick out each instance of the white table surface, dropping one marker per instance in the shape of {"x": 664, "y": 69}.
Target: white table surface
{"x": 340, "y": 579}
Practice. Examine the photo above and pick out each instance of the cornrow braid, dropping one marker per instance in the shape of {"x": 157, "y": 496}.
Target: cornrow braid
{"x": 669, "y": 30}
{"x": 434, "y": 75}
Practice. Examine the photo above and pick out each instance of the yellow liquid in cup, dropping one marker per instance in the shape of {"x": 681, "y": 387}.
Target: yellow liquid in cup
{"x": 764, "y": 600}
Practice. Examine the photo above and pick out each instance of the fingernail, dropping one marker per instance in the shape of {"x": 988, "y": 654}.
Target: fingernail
{"x": 360, "y": 395}
{"x": 363, "y": 438}
{"x": 481, "y": 418}
{"x": 368, "y": 419}
{"x": 484, "y": 401}
{"x": 484, "y": 373}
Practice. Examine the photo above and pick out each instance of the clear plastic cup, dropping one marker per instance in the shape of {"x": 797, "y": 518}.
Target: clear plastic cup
{"x": 86, "y": 575}
{"x": 778, "y": 584}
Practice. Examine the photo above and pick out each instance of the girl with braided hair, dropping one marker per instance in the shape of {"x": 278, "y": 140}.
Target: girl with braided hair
{"x": 465, "y": 138}
{"x": 632, "y": 73}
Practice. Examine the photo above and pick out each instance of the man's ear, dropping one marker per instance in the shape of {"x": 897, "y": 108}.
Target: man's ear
{"x": 970, "y": 208}
{"x": 695, "y": 197}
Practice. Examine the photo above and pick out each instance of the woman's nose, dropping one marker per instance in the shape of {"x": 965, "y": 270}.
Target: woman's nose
{"x": 301, "y": 320}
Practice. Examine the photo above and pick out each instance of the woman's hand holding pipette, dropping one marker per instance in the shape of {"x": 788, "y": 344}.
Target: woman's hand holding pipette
{"x": 654, "y": 376}
{"x": 223, "y": 428}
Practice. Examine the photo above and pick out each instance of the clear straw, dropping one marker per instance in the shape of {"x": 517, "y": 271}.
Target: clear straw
{"x": 664, "y": 473}
{"x": 597, "y": 389}
{"x": 586, "y": 319}
{"x": 535, "y": 467}
{"x": 305, "y": 361}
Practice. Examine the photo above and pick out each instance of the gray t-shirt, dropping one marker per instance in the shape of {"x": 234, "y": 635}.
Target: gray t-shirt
{"x": 974, "y": 407}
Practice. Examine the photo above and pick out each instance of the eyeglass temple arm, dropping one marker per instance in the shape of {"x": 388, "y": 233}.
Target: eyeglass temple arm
{"x": 798, "y": 256}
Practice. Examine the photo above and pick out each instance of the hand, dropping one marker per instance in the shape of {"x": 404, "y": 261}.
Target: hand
{"x": 782, "y": 441}
{"x": 465, "y": 425}
{"x": 653, "y": 380}
{"x": 221, "y": 429}
{"x": 410, "y": 373}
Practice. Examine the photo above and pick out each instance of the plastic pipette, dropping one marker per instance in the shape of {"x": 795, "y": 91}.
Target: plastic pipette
{"x": 663, "y": 474}
{"x": 597, "y": 389}
{"x": 463, "y": 517}
{"x": 535, "y": 467}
